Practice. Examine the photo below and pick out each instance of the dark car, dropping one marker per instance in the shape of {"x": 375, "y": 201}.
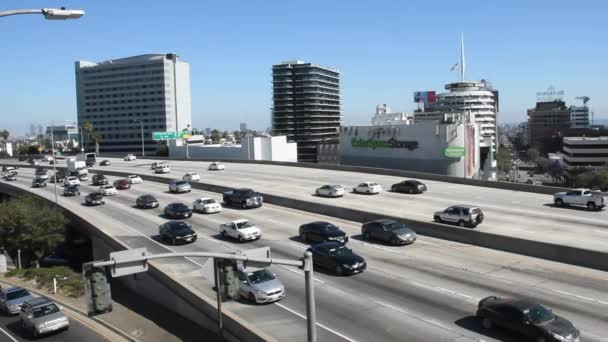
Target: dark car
{"x": 527, "y": 318}
{"x": 71, "y": 190}
{"x": 176, "y": 232}
{"x": 94, "y": 198}
{"x": 146, "y": 201}
{"x": 336, "y": 257}
{"x": 122, "y": 184}
{"x": 100, "y": 180}
{"x": 105, "y": 163}
{"x": 38, "y": 182}
{"x": 391, "y": 231}
{"x": 177, "y": 210}
{"x": 10, "y": 177}
{"x": 40, "y": 171}
{"x": 60, "y": 175}
{"x": 322, "y": 231}
{"x": 409, "y": 186}
{"x": 22, "y": 158}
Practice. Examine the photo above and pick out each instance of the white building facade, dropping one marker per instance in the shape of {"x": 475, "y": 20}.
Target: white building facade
{"x": 385, "y": 117}
{"x": 585, "y": 152}
{"x": 114, "y": 95}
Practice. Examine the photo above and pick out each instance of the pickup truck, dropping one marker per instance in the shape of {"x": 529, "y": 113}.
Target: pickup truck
{"x": 242, "y": 230}
{"x": 582, "y": 197}
{"x": 246, "y": 198}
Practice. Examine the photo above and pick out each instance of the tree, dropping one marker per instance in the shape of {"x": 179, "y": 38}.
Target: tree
{"x": 583, "y": 180}
{"x": 215, "y": 135}
{"x": 32, "y": 225}
{"x": 600, "y": 179}
{"x": 503, "y": 160}
{"x": 4, "y": 134}
{"x": 237, "y": 136}
{"x": 94, "y": 137}
{"x": 543, "y": 164}
{"x": 225, "y": 134}
{"x": 533, "y": 154}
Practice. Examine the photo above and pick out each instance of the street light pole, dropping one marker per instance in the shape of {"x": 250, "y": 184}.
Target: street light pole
{"x": 143, "y": 153}
{"x": 49, "y": 13}
{"x": 54, "y": 160}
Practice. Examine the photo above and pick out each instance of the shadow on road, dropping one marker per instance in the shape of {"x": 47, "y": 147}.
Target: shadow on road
{"x": 473, "y": 324}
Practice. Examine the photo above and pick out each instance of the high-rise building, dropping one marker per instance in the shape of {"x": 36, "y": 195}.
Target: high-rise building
{"x": 546, "y": 124}
{"x": 243, "y": 127}
{"x": 306, "y": 105}
{"x": 579, "y": 117}
{"x": 114, "y": 94}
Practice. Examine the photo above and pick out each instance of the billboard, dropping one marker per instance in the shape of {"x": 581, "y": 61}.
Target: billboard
{"x": 425, "y": 96}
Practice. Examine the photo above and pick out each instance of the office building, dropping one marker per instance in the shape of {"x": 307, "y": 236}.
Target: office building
{"x": 547, "y": 122}
{"x": 114, "y": 94}
{"x": 385, "y": 117}
{"x": 306, "y": 105}
{"x": 579, "y": 117}
{"x": 243, "y": 127}
{"x": 588, "y": 152}
{"x": 62, "y": 132}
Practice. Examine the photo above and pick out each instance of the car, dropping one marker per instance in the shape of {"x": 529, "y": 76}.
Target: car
{"x": 162, "y": 168}
{"x": 177, "y": 185}
{"x": 206, "y": 205}
{"x": 34, "y": 162}
{"x": 83, "y": 177}
{"x": 134, "y": 179}
{"x": 463, "y": 215}
{"x": 71, "y": 180}
{"x": 526, "y": 318}
{"x": 330, "y": 191}
{"x": 391, "y": 231}
{"x": 321, "y": 231}
{"x": 246, "y": 198}
{"x": 259, "y": 285}
{"x": 12, "y": 298}
{"x": 191, "y": 177}
{"x": 130, "y": 157}
{"x": 593, "y": 200}
{"x": 38, "y": 182}
{"x": 122, "y": 184}
{"x": 154, "y": 165}
{"x": 71, "y": 191}
{"x": 108, "y": 190}
{"x": 215, "y": 166}
{"x": 177, "y": 210}
{"x": 337, "y": 257}
{"x": 41, "y": 173}
{"x": 10, "y": 169}
{"x": 94, "y": 198}
{"x": 409, "y": 186}
{"x": 41, "y": 316}
{"x": 52, "y": 162}
{"x": 147, "y": 201}
{"x": 105, "y": 163}
{"x": 58, "y": 177}
{"x": 368, "y": 188}
{"x": 242, "y": 230}
{"x": 176, "y": 232}
{"x": 100, "y": 179}
{"x": 10, "y": 177}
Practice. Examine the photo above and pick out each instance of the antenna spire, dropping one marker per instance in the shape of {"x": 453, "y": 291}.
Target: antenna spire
{"x": 462, "y": 64}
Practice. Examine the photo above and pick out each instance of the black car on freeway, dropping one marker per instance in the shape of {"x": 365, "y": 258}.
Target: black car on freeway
{"x": 321, "y": 231}
{"x": 409, "y": 186}
{"x": 71, "y": 190}
{"x": 60, "y": 175}
{"x": 146, "y": 201}
{"x": 94, "y": 198}
{"x": 105, "y": 163}
{"x": 177, "y": 210}
{"x": 391, "y": 231}
{"x": 100, "y": 179}
{"x": 526, "y": 318}
{"x": 176, "y": 232}
{"x": 336, "y": 257}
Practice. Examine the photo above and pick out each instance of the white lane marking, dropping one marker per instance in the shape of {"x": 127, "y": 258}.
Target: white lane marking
{"x": 581, "y": 297}
{"x": 298, "y": 246}
{"x": 9, "y": 335}
{"x": 420, "y": 318}
{"x": 457, "y": 293}
{"x": 300, "y": 273}
{"x": 319, "y": 324}
{"x": 379, "y": 247}
{"x": 212, "y": 240}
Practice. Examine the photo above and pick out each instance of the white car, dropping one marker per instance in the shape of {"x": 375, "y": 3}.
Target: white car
{"x": 154, "y": 165}
{"x": 130, "y": 157}
{"x": 368, "y": 188}
{"x": 134, "y": 179}
{"x": 191, "y": 177}
{"x": 216, "y": 166}
{"x": 162, "y": 168}
{"x": 71, "y": 181}
{"x": 108, "y": 190}
{"x": 242, "y": 230}
{"x": 330, "y": 191}
{"x": 206, "y": 205}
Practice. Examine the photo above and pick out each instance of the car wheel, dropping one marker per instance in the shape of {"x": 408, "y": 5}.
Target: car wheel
{"x": 541, "y": 339}
{"x": 487, "y": 323}
{"x": 437, "y": 219}
{"x": 339, "y": 270}
{"x": 244, "y": 205}
{"x": 331, "y": 194}
{"x": 394, "y": 241}
{"x": 393, "y": 189}
{"x": 252, "y": 298}
{"x": 559, "y": 202}
{"x": 225, "y": 235}
{"x": 367, "y": 236}
{"x": 591, "y": 206}
{"x": 23, "y": 324}
{"x": 240, "y": 238}
{"x": 317, "y": 194}
{"x": 410, "y": 191}
{"x": 174, "y": 241}
{"x": 461, "y": 223}
{"x": 303, "y": 237}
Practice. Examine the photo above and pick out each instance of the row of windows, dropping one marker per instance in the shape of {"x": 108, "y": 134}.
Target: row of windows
{"x": 119, "y": 115}
{"x": 584, "y": 163}
{"x": 126, "y": 74}
{"x": 118, "y": 68}
{"x": 141, "y": 86}
{"x": 133, "y": 80}
{"x": 586, "y": 145}
{"x": 134, "y": 128}
{"x": 109, "y": 109}
{"x": 139, "y": 93}
{"x": 588, "y": 155}
{"x": 155, "y": 99}
{"x": 121, "y": 124}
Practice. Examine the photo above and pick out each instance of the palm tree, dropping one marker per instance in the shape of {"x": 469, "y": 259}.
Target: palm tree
{"x": 5, "y": 134}
{"x": 93, "y": 136}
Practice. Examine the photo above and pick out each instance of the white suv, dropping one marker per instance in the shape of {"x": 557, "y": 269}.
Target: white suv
{"x": 71, "y": 181}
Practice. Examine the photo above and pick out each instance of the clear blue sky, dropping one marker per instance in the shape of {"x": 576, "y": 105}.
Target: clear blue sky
{"x": 385, "y": 50}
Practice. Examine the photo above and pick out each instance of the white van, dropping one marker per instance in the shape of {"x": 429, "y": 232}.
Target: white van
{"x": 163, "y": 168}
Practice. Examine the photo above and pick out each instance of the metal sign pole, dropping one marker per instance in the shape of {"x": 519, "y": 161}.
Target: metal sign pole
{"x": 311, "y": 319}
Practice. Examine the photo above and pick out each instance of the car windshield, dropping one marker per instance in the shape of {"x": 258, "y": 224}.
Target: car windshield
{"x": 148, "y": 198}
{"x": 180, "y": 228}
{"x": 331, "y": 228}
{"x": 180, "y": 206}
{"x": 108, "y": 187}
{"x": 337, "y": 187}
{"x": 393, "y": 226}
{"x": 243, "y": 225}
{"x": 259, "y": 276}
{"x": 17, "y": 294}
{"x": 209, "y": 201}
{"x": 181, "y": 183}
{"x": 339, "y": 251}
{"x": 373, "y": 184}
{"x": 96, "y": 196}
{"x": 539, "y": 314}
{"x": 133, "y": 176}
{"x": 45, "y": 310}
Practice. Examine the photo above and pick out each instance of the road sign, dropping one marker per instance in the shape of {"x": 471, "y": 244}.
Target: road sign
{"x": 167, "y": 135}
{"x": 257, "y": 253}
{"x": 454, "y": 151}
{"x": 119, "y": 270}
{"x": 186, "y": 135}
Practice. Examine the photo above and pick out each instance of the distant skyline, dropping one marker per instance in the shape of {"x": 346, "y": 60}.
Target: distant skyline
{"x": 385, "y": 50}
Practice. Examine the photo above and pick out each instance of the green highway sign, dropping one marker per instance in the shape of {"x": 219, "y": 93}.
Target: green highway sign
{"x": 454, "y": 151}
{"x": 167, "y": 135}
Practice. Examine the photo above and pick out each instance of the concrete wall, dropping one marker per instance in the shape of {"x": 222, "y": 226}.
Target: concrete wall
{"x": 261, "y": 148}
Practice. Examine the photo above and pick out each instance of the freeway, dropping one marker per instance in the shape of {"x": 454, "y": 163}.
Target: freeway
{"x": 425, "y": 291}
{"x": 512, "y": 213}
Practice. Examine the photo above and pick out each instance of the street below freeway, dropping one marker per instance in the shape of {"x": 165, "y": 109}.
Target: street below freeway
{"x": 425, "y": 291}
{"x": 512, "y": 213}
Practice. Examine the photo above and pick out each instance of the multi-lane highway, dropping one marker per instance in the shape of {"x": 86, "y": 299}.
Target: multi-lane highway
{"x": 426, "y": 291}
{"x": 526, "y": 215}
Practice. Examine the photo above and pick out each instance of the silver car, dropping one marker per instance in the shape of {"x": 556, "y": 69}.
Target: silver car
{"x": 259, "y": 285}
{"x": 463, "y": 215}
{"x": 330, "y": 191}
{"x": 178, "y": 185}
{"x": 12, "y": 298}
{"x": 41, "y": 316}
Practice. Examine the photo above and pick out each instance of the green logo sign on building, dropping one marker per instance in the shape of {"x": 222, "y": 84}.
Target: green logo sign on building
{"x": 454, "y": 151}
